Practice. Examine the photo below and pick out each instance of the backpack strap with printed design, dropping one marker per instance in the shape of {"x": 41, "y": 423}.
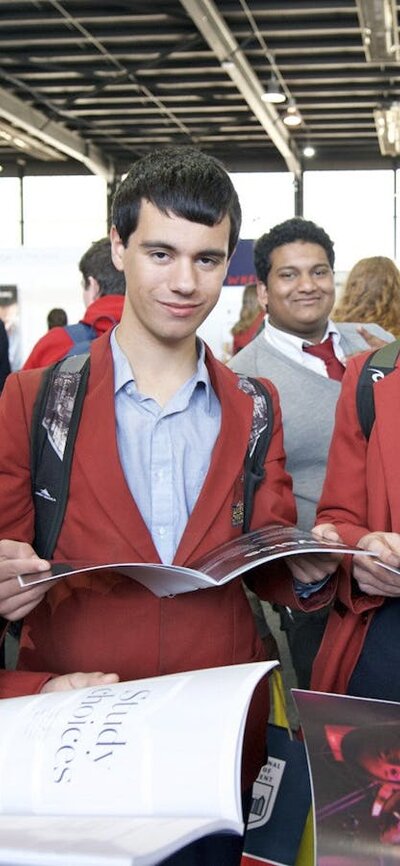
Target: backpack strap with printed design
{"x": 376, "y": 367}
{"x": 259, "y": 441}
{"x": 55, "y": 422}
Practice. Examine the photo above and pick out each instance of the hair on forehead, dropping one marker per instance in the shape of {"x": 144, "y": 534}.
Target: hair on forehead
{"x": 180, "y": 180}
{"x": 288, "y": 232}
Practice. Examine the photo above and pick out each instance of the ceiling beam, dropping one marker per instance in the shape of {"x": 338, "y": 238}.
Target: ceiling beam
{"x": 221, "y": 40}
{"x": 23, "y": 116}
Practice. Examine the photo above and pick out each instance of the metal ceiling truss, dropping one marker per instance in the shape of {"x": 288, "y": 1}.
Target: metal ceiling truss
{"x": 99, "y": 84}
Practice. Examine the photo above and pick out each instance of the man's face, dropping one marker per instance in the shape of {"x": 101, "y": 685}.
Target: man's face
{"x": 174, "y": 270}
{"x": 300, "y": 290}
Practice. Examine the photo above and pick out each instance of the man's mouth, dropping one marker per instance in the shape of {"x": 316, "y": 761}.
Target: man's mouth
{"x": 180, "y": 310}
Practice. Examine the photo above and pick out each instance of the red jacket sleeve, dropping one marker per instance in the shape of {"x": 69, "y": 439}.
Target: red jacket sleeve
{"x": 14, "y": 684}
{"x": 344, "y": 498}
{"x": 16, "y": 515}
{"x": 49, "y": 349}
{"x": 345, "y": 494}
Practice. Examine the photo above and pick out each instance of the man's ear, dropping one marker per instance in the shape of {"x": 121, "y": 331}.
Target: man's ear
{"x": 92, "y": 290}
{"x": 262, "y": 294}
{"x": 117, "y": 249}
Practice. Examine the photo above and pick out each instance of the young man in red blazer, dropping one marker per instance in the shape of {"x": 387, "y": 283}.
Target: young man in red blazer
{"x": 158, "y": 461}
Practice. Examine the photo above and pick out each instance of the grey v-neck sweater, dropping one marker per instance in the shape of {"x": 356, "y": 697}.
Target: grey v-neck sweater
{"x": 308, "y": 402}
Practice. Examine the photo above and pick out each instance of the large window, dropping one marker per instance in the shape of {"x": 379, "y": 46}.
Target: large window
{"x": 266, "y": 198}
{"x": 356, "y": 209}
{"x": 64, "y": 211}
{"x": 62, "y": 215}
{"x": 10, "y": 213}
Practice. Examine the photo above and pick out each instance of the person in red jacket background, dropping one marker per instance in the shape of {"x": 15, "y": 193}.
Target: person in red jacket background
{"x": 103, "y": 296}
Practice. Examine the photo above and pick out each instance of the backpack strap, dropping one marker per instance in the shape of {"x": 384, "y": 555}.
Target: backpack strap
{"x": 55, "y": 422}
{"x": 259, "y": 440}
{"x": 376, "y": 367}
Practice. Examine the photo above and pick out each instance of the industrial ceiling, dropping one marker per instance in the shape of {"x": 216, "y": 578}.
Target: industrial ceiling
{"x": 90, "y": 85}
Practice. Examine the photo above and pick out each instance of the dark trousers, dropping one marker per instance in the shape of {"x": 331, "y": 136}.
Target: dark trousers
{"x": 376, "y": 674}
{"x": 304, "y": 633}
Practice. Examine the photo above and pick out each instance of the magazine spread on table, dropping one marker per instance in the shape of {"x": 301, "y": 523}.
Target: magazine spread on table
{"x": 214, "y": 569}
{"x": 124, "y": 773}
{"x": 353, "y": 749}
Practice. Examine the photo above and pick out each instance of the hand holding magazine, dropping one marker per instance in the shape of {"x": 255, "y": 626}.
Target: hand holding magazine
{"x": 125, "y": 773}
{"x": 221, "y": 565}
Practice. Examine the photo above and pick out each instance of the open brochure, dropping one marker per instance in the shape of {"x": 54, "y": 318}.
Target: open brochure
{"x": 221, "y": 565}
{"x": 353, "y": 750}
{"x": 125, "y": 773}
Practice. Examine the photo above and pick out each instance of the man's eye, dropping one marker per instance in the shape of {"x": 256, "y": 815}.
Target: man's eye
{"x": 322, "y": 272}
{"x": 287, "y": 275}
{"x": 159, "y": 255}
{"x": 207, "y": 261}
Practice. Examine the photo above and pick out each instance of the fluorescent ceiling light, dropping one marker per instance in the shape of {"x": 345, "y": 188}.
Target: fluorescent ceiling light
{"x": 379, "y": 29}
{"x": 387, "y": 122}
{"x": 292, "y": 116}
{"x": 49, "y": 139}
{"x": 228, "y": 64}
{"x": 12, "y": 137}
{"x": 274, "y": 92}
{"x": 212, "y": 26}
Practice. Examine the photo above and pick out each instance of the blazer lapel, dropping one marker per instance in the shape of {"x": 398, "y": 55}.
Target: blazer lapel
{"x": 102, "y": 470}
{"x": 97, "y": 457}
{"x": 227, "y": 458}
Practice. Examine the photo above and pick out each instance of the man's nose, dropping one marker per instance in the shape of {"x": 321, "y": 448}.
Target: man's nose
{"x": 306, "y": 282}
{"x": 185, "y": 277}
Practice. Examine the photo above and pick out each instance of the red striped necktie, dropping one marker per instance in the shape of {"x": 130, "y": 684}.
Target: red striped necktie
{"x": 325, "y": 351}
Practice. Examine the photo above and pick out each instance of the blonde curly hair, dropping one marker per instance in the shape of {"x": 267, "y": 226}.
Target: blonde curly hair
{"x": 372, "y": 294}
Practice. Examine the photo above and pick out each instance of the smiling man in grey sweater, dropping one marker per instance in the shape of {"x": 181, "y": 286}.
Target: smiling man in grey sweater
{"x": 303, "y": 352}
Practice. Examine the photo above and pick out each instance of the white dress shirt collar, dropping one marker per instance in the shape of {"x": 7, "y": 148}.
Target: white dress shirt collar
{"x": 292, "y": 346}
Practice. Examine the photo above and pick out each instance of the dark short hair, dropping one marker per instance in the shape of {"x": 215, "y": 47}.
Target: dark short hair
{"x": 288, "y": 232}
{"x": 97, "y": 262}
{"x": 56, "y": 318}
{"x": 181, "y": 180}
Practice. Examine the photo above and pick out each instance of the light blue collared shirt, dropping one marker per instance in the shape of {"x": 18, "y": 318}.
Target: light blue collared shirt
{"x": 165, "y": 452}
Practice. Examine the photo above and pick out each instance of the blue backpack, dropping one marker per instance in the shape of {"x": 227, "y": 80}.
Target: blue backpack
{"x": 82, "y": 335}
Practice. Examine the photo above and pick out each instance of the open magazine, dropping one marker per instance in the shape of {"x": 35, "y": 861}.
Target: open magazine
{"x": 125, "y": 773}
{"x": 221, "y": 565}
{"x": 353, "y": 750}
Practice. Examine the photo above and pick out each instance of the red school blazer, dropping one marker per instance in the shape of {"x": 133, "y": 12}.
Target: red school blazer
{"x": 111, "y": 623}
{"x": 361, "y": 494}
